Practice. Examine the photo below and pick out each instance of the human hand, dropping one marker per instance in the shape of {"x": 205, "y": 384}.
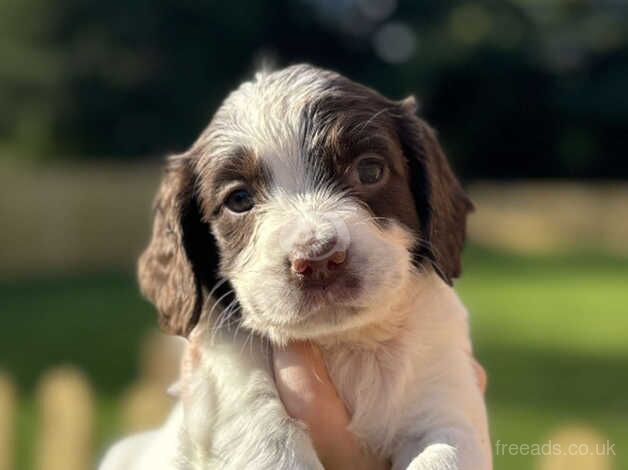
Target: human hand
{"x": 309, "y": 395}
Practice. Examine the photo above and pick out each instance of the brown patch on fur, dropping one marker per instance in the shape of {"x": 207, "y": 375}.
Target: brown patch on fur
{"x": 177, "y": 266}
{"x": 218, "y": 176}
{"x": 357, "y": 120}
{"x": 442, "y": 202}
{"x": 181, "y": 264}
{"x": 422, "y": 192}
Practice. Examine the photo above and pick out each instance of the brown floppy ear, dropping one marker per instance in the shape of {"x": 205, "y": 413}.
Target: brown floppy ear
{"x": 178, "y": 266}
{"x": 440, "y": 201}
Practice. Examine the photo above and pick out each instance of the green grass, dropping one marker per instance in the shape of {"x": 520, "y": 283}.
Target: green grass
{"x": 552, "y": 333}
{"x": 553, "y": 336}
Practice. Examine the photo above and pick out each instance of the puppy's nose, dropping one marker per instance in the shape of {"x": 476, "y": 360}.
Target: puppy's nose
{"x": 320, "y": 268}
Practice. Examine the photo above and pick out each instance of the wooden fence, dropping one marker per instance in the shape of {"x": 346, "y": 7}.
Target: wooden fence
{"x": 65, "y": 438}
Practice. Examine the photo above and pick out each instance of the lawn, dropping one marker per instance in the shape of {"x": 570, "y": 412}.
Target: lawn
{"x": 552, "y": 333}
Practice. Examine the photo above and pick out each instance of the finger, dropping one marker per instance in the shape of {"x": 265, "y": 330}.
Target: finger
{"x": 309, "y": 395}
{"x": 303, "y": 382}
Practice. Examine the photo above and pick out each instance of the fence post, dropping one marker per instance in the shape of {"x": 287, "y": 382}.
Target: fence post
{"x": 145, "y": 403}
{"x": 66, "y": 421}
{"x": 577, "y": 447}
{"x": 8, "y": 412}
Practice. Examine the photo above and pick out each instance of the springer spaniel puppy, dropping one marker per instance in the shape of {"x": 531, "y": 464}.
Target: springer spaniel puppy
{"x": 313, "y": 208}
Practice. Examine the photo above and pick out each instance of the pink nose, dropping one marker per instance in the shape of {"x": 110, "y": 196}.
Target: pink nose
{"x": 320, "y": 268}
{"x": 316, "y": 267}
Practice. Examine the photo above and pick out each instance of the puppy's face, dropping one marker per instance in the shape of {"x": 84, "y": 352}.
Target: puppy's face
{"x": 315, "y": 197}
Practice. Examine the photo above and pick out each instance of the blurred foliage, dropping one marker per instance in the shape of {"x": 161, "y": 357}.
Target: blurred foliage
{"x": 517, "y": 88}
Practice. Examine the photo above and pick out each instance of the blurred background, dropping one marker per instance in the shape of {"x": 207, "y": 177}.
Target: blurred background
{"x": 531, "y": 101}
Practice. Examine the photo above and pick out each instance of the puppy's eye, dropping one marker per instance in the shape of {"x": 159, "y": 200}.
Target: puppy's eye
{"x": 370, "y": 170}
{"x": 239, "y": 200}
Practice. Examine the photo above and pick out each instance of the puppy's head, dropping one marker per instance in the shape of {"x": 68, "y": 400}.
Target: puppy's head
{"x": 315, "y": 197}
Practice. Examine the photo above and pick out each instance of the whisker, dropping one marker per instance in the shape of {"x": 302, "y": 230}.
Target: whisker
{"x": 222, "y": 315}
{"x": 217, "y": 286}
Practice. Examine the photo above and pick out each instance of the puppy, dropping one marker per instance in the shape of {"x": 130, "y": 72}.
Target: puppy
{"x": 313, "y": 208}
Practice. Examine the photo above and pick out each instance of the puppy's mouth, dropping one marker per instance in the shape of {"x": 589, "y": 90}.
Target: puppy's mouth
{"x": 337, "y": 290}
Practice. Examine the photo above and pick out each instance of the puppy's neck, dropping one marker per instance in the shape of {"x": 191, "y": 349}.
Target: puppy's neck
{"x": 390, "y": 323}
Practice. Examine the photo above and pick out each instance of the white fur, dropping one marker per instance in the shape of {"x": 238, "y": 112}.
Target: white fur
{"x": 229, "y": 416}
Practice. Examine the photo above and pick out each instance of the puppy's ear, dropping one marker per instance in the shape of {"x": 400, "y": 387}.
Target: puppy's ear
{"x": 178, "y": 266}
{"x": 440, "y": 201}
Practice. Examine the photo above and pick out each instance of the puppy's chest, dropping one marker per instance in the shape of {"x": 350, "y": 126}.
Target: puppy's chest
{"x": 374, "y": 387}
